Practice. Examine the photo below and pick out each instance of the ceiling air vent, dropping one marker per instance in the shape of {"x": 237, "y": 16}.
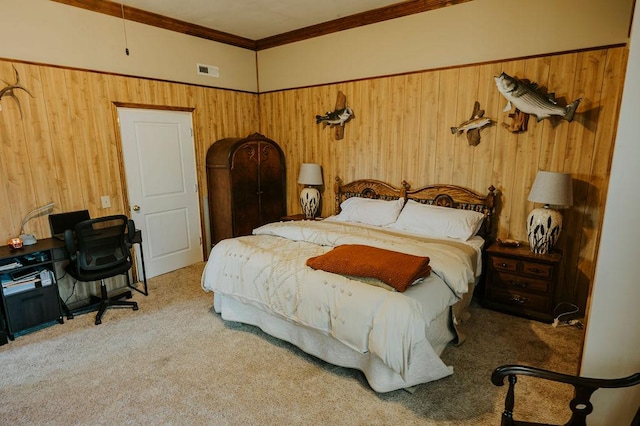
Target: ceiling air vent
{"x": 209, "y": 70}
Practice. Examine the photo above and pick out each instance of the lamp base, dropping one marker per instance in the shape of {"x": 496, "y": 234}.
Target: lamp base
{"x": 28, "y": 239}
{"x": 543, "y": 229}
{"x": 309, "y": 201}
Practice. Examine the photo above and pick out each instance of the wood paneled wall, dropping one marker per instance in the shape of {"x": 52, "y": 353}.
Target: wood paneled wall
{"x": 401, "y": 131}
{"x": 66, "y": 148}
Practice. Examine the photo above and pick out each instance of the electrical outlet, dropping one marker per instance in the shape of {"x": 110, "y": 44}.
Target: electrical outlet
{"x": 105, "y": 201}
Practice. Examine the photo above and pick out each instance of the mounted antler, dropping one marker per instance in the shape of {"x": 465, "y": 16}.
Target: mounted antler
{"x": 9, "y": 90}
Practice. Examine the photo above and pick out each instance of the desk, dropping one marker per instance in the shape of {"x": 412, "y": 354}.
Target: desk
{"x": 35, "y": 304}
{"x": 40, "y": 305}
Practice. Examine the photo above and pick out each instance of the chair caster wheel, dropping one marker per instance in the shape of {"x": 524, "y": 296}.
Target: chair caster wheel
{"x": 98, "y": 322}
{"x": 135, "y": 307}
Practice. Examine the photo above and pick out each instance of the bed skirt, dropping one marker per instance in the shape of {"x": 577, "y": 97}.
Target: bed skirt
{"x": 381, "y": 378}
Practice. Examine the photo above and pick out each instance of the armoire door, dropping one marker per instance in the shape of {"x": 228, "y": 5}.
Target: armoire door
{"x": 245, "y": 182}
{"x": 272, "y": 198}
{"x": 246, "y": 185}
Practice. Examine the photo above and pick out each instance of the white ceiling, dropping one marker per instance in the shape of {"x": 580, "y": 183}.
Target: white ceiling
{"x": 256, "y": 19}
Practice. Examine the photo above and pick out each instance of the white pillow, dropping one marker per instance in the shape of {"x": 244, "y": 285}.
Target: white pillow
{"x": 369, "y": 211}
{"x": 435, "y": 221}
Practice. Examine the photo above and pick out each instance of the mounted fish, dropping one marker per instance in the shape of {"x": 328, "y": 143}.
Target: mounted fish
{"x": 338, "y": 117}
{"x": 335, "y": 118}
{"x": 9, "y": 90}
{"x": 473, "y": 125}
{"x": 528, "y": 98}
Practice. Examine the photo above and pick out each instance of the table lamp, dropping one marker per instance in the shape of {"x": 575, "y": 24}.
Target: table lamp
{"x": 544, "y": 224}
{"x": 310, "y": 174}
{"x": 30, "y": 239}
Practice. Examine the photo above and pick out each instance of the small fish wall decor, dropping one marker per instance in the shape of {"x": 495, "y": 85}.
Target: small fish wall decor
{"x": 529, "y": 99}
{"x": 10, "y": 91}
{"x": 338, "y": 117}
{"x": 473, "y": 125}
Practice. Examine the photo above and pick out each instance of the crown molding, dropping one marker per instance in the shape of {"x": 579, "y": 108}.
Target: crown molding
{"x": 353, "y": 21}
{"x": 160, "y": 21}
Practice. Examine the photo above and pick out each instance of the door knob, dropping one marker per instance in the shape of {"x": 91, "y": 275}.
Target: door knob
{"x": 136, "y": 208}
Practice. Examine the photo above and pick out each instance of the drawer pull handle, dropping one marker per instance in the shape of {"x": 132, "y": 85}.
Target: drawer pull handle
{"x": 519, "y": 284}
{"x": 518, "y": 299}
{"x": 536, "y": 270}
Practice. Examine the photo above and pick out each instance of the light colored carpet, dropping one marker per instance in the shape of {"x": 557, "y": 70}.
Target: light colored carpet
{"x": 175, "y": 361}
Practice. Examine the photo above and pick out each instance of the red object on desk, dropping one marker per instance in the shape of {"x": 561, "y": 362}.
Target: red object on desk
{"x": 15, "y": 243}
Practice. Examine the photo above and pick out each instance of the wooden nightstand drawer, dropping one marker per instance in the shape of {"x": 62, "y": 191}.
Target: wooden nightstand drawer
{"x": 520, "y": 300}
{"x": 538, "y": 269}
{"x": 522, "y": 282}
{"x": 504, "y": 263}
{"x": 519, "y": 282}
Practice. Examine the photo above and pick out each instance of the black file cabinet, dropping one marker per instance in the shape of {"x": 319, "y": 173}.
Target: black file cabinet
{"x": 29, "y": 303}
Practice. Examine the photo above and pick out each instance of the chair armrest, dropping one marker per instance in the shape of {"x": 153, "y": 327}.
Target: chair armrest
{"x": 131, "y": 232}
{"x": 584, "y": 387}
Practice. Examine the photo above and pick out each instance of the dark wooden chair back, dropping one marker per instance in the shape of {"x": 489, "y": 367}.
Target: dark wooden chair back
{"x": 580, "y": 405}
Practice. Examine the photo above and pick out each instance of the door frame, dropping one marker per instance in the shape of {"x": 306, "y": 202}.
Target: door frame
{"x": 121, "y": 166}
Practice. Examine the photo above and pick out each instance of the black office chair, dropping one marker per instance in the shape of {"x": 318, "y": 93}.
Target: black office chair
{"x": 580, "y": 405}
{"x": 99, "y": 249}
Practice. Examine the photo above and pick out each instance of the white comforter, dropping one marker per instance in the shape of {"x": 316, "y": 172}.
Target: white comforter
{"x": 268, "y": 271}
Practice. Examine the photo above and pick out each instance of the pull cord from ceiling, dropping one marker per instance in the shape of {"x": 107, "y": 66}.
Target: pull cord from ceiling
{"x": 124, "y": 28}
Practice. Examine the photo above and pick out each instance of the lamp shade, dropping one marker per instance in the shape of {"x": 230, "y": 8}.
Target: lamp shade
{"x": 552, "y": 188}
{"x": 310, "y": 174}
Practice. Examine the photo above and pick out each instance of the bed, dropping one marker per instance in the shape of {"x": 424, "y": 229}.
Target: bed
{"x": 276, "y": 278}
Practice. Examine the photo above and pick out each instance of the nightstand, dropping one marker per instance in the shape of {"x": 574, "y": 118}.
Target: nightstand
{"x": 299, "y": 216}
{"x": 520, "y": 282}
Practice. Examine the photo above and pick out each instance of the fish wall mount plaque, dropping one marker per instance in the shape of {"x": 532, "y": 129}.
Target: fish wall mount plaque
{"x": 527, "y": 98}
{"x": 473, "y": 125}
{"x": 338, "y": 117}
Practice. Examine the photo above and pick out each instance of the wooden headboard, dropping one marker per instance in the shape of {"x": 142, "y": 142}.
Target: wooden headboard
{"x": 457, "y": 197}
{"x": 451, "y": 196}
{"x": 368, "y": 188}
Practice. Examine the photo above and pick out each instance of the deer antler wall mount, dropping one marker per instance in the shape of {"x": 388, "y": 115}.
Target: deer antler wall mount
{"x": 10, "y": 91}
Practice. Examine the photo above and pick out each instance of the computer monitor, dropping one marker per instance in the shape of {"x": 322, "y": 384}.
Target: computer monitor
{"x": 60, "y": 222}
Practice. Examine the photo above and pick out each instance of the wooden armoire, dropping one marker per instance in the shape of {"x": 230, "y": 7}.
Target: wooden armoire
{"x": 246, "y": 180}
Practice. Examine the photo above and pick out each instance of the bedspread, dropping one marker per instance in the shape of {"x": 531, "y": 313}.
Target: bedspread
{"x": 268, "y": 271}
{"x": 455, "y": 262}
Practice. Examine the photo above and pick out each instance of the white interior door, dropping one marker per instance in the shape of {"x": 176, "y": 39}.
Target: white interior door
{"x": 160, "y": 165}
